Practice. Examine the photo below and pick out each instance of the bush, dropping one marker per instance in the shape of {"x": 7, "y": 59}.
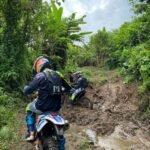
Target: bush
{"x": 6, "y": 116}
{"x": 78, "y": 56}
{"x": 137, "y": 65}
{"x": 8, "y": 105}
{"x": 6, "y": 133}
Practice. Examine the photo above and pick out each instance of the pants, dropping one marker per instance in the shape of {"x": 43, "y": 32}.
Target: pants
{"x": 30, "y": 117}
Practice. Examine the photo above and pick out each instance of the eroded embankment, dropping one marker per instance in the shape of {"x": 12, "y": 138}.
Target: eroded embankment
{"x": 114, "y": 120}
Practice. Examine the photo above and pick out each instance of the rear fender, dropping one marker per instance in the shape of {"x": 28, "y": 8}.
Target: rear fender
{"x": 56, "y": 120}
{"x": 40, "y": 125}
{"x": 58, "y": 129}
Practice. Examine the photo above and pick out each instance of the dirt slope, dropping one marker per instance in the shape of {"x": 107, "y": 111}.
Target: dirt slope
{"x": 114, "y": 119}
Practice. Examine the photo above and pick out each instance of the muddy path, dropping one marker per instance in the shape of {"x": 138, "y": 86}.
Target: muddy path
{"x": 114, "y": 123}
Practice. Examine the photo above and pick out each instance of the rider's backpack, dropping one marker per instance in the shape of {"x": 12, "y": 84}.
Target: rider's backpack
{"x": 55, "y": 82}
{"x": 83, "y": 83}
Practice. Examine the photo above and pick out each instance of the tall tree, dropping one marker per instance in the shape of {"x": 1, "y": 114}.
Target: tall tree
{"x": 100, "y": 42}
{"x": 140, "y": 6}
{"x": 16, "y": 31}
{"x": 55, "y": 32}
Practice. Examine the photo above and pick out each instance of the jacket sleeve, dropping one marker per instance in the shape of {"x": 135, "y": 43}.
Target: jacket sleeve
{"x": 33, "y": 86}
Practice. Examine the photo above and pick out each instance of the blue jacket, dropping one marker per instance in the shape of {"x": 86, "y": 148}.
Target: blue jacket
{"x": 45, "y": 102}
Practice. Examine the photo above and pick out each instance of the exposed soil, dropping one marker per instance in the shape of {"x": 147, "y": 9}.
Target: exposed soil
{"x": 112, "y": 103}
{"x": 115, "y": 114}
{"x": 113, "y": 124}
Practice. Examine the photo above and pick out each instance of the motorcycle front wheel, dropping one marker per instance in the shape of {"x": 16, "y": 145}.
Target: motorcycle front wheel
{"x": 50, "y": 144}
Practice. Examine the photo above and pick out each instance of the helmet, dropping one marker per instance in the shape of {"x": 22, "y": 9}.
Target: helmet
{"x": 40, "y": 64}
{"x": 77, "y": 74}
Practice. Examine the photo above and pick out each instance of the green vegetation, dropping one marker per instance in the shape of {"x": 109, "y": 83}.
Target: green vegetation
{"x": 85, "y": 145}
{"x": 127, "y": 48}
{"x": 30, "y": 28}
{"x": 94, "y": 74}
{"x": 8, "y": 103}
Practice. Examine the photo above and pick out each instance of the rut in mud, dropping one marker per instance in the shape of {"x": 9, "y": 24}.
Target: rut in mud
{"x": 114, "y": 117}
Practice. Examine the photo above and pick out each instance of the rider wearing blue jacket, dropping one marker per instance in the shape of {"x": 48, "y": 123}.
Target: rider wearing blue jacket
{"x": 49, "y": 97}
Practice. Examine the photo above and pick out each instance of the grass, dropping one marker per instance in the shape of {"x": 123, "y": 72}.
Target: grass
{"x": 85, "y": 145}
{"x": 8, "y": 105}
{"x": 99, "y": 75}
{"x": 7, "y": 136}
{"x": 94, "y": 74}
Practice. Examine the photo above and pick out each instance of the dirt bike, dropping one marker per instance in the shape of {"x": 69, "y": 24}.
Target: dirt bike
{"x": 49, "y": 128}
{"x": 78, "y": 98}
{"x": 77, "y": 94}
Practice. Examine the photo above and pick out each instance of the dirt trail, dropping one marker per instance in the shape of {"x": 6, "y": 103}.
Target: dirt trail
{"x": 114, "y": 120}
{"x": 113, "y": 124}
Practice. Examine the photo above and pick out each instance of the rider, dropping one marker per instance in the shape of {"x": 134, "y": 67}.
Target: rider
{"x": 79, "y": 83}
{"x": 47, "y": 100}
